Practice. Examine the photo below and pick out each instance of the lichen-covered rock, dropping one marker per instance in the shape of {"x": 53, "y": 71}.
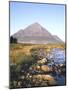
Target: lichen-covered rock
{"x": 45, "y": 68}
{"x": 43, "y": 77}
{"x": 48, "y": 78}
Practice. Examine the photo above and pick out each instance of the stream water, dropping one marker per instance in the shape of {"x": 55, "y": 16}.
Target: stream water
{"x": 58, "y": 56}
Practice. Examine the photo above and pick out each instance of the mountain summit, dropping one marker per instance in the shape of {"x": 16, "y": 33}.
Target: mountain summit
{"x": 36, "y": 34}
{"x": 36, "y": 30}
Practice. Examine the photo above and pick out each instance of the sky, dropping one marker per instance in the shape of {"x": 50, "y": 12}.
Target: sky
{"x": 50, "y": 16}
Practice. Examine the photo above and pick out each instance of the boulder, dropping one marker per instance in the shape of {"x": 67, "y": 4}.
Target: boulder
{"x": 48, "y": 78}
{"x": 45, "y": 68}
{"x": 37, "y": 67}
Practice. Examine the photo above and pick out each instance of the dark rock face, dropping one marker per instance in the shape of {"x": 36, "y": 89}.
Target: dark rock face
{"x": 36, "y": 34}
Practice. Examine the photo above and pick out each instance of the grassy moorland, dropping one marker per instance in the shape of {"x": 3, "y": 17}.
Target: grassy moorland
{"x": 18, "y": 51}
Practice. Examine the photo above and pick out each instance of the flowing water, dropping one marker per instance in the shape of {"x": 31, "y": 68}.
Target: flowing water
{"x": 58, "y": 57}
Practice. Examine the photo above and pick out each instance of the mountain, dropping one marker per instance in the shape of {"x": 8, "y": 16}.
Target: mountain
{"x": 58, "y": 39}
{"x": 36, "y": 34}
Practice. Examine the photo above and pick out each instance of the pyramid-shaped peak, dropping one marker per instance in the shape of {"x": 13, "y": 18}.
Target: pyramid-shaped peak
{"x": 34, "y": 26}
{"x": 36, "y": 23}
{"x": 36, "y": 29}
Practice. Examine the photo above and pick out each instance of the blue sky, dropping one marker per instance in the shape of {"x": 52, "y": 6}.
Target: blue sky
{"x": 50, "y": 16}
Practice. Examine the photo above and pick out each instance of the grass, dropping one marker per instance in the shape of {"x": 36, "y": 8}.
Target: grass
{"x": 18, "y": 52}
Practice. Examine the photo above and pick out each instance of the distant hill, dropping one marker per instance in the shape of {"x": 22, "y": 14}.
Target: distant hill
{"x": 36, "y": 34}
